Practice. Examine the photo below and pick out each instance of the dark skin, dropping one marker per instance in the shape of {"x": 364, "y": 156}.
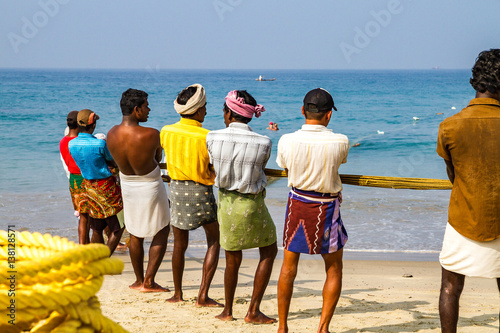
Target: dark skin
{"x": 83, "y": 226}
{"x": 181, "y": 242}
{"x": 261, "y": 279}
{"x": 333, "y": 269}
{"x": 452, "y": 283}
{"x": 97, "y": 236}
{"x": 137, "y": 151}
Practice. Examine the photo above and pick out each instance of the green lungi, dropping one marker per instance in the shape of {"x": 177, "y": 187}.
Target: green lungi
{"x": 245, "y": 222}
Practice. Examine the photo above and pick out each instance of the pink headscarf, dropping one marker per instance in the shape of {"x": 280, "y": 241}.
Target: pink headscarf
{"x": 237, "y": 104}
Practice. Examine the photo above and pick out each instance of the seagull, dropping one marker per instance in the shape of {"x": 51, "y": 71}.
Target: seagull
{"x": 453, "y": 108}
{"x": 416, "y": 118}
{"x": 380, "y": 132}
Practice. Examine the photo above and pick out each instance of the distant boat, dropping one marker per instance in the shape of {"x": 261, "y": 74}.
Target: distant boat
{"x": 261, "y": 78}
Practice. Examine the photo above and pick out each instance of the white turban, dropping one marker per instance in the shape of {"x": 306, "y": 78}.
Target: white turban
{"x": 196, "y": 101}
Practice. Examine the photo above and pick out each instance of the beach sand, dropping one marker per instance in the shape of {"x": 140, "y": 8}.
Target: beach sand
{"x": 375, "y": 298}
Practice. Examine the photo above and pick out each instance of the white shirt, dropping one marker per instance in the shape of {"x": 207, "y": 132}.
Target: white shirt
{"x": 312, "y": 156}
{"x": 239, "y": 156}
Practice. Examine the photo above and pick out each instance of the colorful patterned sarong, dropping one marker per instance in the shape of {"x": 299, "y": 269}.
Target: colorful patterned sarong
{"x": 192, "y": 204}
{"x": 245, "y": 222}
{"x": 103, "y": 197}
{"x": 313, "y": 223}
{"x": 76, "y": 190}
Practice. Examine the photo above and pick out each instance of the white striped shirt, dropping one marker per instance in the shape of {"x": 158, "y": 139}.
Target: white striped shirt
{"x": 239, "y": 156}
{"x": 312, "y": 156}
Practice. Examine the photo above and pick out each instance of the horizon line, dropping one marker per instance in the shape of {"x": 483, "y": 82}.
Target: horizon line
{"x": 233, "y": 69}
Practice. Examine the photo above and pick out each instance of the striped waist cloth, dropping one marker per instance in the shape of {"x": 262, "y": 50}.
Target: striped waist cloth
{"x": 317, "y": 196}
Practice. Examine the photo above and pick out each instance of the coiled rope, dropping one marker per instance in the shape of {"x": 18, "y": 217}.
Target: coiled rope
{"x": 52, "y": 284}
{"x": 372, "y": 181}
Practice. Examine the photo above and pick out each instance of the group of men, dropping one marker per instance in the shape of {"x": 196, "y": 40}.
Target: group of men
{"x": 233, "y": 159}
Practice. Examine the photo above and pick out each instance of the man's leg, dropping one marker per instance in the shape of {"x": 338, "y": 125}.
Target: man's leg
{"x": 136, "y": 251}
{"x": 97, "y": 226}
{"x": 156, "y": 253}
{"x": 181, "y": 241}
{"x": 452, "y": 285}
{"x": 83, "y": 229}
{"x": 233, "y": 262}
{"x": 260, "y": 282}
{"x": 332, "y": 287}
{"x": 209, "y": 264}
{"x": 115, "y": 236}
{"x": 285, "y": 287}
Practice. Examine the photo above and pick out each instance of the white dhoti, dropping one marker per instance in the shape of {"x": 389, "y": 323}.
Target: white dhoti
{"x": 468, "y": 257}
{"x": 145, "y": 203}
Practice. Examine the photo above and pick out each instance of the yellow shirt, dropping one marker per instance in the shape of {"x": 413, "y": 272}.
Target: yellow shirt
{"x": 186, "y": 152}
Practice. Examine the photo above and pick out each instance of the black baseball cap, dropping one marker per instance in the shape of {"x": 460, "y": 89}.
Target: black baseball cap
{"x": 318, "y": 100}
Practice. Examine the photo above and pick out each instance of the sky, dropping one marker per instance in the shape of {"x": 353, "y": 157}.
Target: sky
{"x": 247, "y": 34}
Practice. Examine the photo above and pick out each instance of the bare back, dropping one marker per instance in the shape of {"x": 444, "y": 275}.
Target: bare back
{"x": 135, "y": 149}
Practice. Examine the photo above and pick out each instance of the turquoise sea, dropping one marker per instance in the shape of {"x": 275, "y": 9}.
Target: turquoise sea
{"x": 34, "y": 105}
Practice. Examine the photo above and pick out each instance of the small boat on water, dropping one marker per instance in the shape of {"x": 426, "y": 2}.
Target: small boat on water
{"x": 261, "y": 78}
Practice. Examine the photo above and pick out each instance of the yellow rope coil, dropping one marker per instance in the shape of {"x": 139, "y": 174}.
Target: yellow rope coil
{"x": 52, "y": 283}
{"x": 66, "y": 253}
{"x": 75, "y": 271}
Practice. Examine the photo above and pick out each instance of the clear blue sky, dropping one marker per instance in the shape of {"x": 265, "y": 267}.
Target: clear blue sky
{"x": 247, "y": 34}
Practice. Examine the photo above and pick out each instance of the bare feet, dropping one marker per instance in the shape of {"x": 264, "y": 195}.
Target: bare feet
{"x": 282, "y": 329}
{"x": 209, "y": 303}
{"x": 225, "y": 317}
{"x": 121, "y": 247}
{"x": 154, "y": 288}
{"x": 136, "y": 285}
{"x": 259, "y": 318}
{"x": 175, "y": 299}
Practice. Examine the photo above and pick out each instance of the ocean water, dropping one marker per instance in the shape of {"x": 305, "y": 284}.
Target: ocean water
{"x": 34, "y": 105}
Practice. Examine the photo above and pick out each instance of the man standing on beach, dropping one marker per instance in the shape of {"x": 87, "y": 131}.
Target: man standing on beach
{"x": 313, "y": 225}
{"x": 137, "y": 152}
{"x": 75, "y": 177}
{"x": 239, "y": 156}
{"x": 469, "y": 142}
{"x": 102, "y": 193}
{"x": 191, "y": 195}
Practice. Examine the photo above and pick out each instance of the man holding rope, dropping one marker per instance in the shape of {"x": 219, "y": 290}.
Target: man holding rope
{"x": 469, "y": 142}
{"x": 192, "y": 200}
{"x": 312, "y": 156}
{"x": 137, "y": 151}
{"x": 239, "y": 156}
